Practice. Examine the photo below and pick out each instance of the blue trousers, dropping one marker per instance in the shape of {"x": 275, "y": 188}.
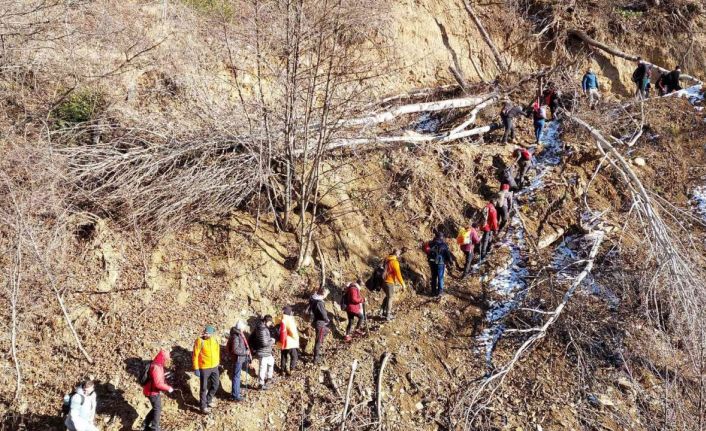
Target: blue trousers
{"x": 237, "y": 368}
{"x": 538, "y": 126}
{"x": 437, "y": 279}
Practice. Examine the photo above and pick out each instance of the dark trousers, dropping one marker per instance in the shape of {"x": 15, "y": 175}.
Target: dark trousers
{"x": 237, "y": 369}
{"x": 288, "y": 354}
{"x": 321, "y": 332}
{"x": 509, "y": 130}
{"x": 389, "y": 289}
{"x": 469, "y": 261}
{"x": 437, "y": 279}
{"x": 210, "y": 380}
{"x": 351, "y": 317}
{"x": 503, "y": 215}
{"x": 485, "y": 244}
{"x": 538, "y": 126}
{"x": 151, "y": 422}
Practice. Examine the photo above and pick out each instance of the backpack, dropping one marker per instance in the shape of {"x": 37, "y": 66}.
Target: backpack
{"x": 66, "y": 405}
{"x": 435, "y": 254}
{"x": 144, "y": 377}
{"x": 344, "y": 300}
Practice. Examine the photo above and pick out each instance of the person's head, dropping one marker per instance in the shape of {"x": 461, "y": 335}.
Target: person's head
{"x": 590, "y": 70}
{"x": 507, "y": 104}
{"x": 639, "y": 60}
{"x": 438, "y": 235}
{"x": 88, "y": 387}
{"x": 267, "y": 320}
{"x": 397, "y": 252}
{"x": 287, "y": 310}
{"x": 208, "y": 331}
{"x": 678, "y": 68}
{"x": 475, "y": 224}
{"x": 240, "y": 326}
{"x": 505, "y": 187}
{"x": 322, "y": 292}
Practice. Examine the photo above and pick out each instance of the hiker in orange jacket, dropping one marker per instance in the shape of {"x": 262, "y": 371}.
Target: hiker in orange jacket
{"x": 393, "y": 279}
{"x": 153, "y": 390}
{"x": 206, "y": 359}
{"x": 468, "y": 240}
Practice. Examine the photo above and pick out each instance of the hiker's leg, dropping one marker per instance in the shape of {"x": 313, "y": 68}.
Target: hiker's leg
{"x": 283, "y": 360}
{"x": 270, "y": 367}
{"x": 156, "y": 401}
{"x": 512, "y": 131}
{"x": 261, "y": 371}
{"x": 317, "y": 344}
{"x": 361, "y": 318}
{"x": 294, "y": 357}
{"x": 469, "y": 258}
{"x": 214, "y": 382}
{"x": 349, "y": 327}
{"x": 490, "y": 242}
{"x": 237, "y": 369}
{"x": 434, "y": 279}
{"x": 440, "y": 278}
{"x": 387, "y": 304}
{"x": 203, "y": 389}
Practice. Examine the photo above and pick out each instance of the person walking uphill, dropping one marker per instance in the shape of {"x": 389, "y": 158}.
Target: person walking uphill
{"x": 239, "y": 349}
{"x": 354, "y": 309}
{"x": 288, "y": 341}
{"x": 671, "y": 80}
{"x": 490, "y": 225}
{"x": 261, "y": 343}
{"x": 82, "y": 408}
{"x": 468, "y": 239}
{"x": 153, "y": 390}
{"x": 439, "y": 256}
{"x": 506, "y": 116}
{"x": 320, "y": 320}
{"x": 503, "y": 203}
{"x": 589, "y": 84}
{"x": 393, "y": 280}
{"x": 524, "y": 162}
{"x": 539, "y": 116}
{"x": 206, "y": 359}
{"x": 641, "y": 77}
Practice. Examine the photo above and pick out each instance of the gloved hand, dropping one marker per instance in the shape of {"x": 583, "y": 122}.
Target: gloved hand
{"x": 197, "y": 373}
{"x": 171, "y": 390}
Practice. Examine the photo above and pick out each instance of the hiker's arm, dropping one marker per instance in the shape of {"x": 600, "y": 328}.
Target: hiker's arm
{"x": 195, "y": 356}
{"x": 158, "y": 380}
{"x": 282, "y": 335}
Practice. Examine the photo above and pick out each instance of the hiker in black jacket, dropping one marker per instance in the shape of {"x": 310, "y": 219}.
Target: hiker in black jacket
{"x": 320, "y": 320}
{"x": 261, "y": 343}
{"x": 239, "y": 349}
{"x": 506, "y": 115}
{"x": 439, "y": 256}
{"x": 671, "y": 81}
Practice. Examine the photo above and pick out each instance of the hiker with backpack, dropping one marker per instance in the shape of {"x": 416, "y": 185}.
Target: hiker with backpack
{"x": 490, "y": 226}
{"x": 589, "y": 84}
{"x": 153, "y": 383}
{"x": 506, "y": 116}
{"x": 641, "y": 77}
{"x": 239, "y": 348}
{"x": 353, "y": 303}
{"x": 507, "y": 176}
{"x": 539, "y": 116}
{"x": 524, "y": 161}
{"x": 504, "y": 203}
{"x": 206, "y": 359}
{"x": 551, "y": 98}
{"x": 661, "y": 84}
{"x": 320, "y": 320}
{"x": 288, "y": 341}
{"x": 393, "y": 281}
{"x": 468, "y": 240}
{"x": 438, "y": 256}
{"x": 261, "y": 343}
{"x": 80, "y": 408}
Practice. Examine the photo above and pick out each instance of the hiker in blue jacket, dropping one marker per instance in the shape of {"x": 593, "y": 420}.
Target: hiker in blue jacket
{"x": 590, "y": 87}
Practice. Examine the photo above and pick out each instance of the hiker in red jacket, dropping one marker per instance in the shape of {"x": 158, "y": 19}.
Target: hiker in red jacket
{"x": 354, "y": 308}
{"x": 153, "y": 390}
{"x": 490, "y": 226}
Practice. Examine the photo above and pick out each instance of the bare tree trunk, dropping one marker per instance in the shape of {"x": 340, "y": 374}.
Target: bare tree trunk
{"x": 498, "y": 58}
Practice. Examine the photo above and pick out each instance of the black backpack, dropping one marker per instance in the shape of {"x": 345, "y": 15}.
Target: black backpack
{"x": 144, "y": 375}
{"x": 374, "y": 283}
{"x": 436, "y": 255}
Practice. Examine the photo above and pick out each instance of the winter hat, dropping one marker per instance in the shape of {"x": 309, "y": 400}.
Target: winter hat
{"x": 240, "y": 325}
{"x": 209, "y": 330}
{"x": 287, "y": 310}
{"x": 505, "y": 187}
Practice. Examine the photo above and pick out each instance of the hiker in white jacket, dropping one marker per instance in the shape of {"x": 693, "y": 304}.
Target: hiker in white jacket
{"x": 83, "y": 409}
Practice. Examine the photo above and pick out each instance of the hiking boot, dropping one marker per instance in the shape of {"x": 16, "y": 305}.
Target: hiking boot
{"x": 265, "y": 387}
{"x": 206, "y": 411}
{"x": 359, "y": 332}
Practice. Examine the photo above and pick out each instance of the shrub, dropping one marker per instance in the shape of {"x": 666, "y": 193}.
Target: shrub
{"x": 79, "y": 107}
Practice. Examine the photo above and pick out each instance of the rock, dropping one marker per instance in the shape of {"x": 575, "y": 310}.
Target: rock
{"x": 550, "y": 238}
{"x": 624, "y": 384}
{"x": 639, "y": 161}
{"x": 419, "y": 406}
{"x": 604, "y": 401}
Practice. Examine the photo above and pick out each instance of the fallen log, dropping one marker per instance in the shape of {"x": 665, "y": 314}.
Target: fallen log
{"x": 616, "y": 52}
{"x": 383, "y": 364}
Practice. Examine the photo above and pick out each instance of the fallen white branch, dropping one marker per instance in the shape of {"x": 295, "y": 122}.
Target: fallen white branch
{"x": 354, "y": 365}
{"x": 385, "y": 358}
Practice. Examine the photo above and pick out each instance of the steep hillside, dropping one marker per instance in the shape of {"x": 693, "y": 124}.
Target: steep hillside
{"x": 164, "y": 165}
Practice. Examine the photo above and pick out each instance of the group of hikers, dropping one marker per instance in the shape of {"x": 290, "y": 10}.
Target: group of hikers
{"x": 551, "y": 97}
{"x": 474, "y": 239}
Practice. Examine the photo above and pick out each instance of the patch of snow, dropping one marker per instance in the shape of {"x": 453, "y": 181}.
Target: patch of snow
{"x": 699, "y": 199}
{"x": 427, "y": 123}
{"x": 692, "y": 93}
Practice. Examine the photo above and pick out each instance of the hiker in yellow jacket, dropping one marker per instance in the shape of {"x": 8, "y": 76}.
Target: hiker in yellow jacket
{"x": 206, "y": 359}
{"x": 288, "y": 341}
{"x": 393, "y": 278}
